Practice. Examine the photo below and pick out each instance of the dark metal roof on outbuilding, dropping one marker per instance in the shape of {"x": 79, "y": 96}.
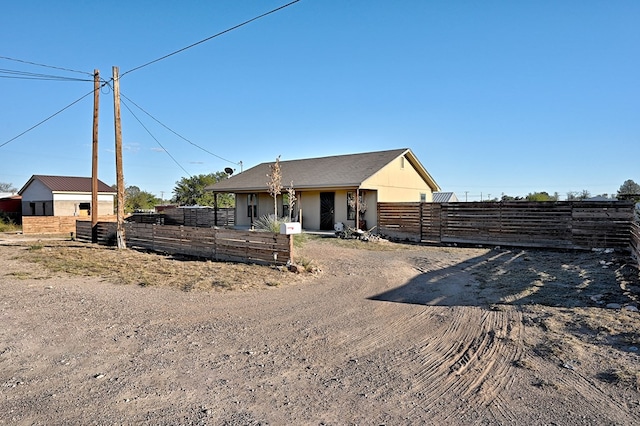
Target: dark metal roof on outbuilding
{"x": 340, "y": 171}
{"x": 68, "y": 184}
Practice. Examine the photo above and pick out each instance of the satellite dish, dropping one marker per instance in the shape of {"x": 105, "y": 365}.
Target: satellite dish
{"x": 228, "y": 170}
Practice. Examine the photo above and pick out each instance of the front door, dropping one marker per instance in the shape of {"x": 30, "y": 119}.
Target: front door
{"x": 327, "y": 207}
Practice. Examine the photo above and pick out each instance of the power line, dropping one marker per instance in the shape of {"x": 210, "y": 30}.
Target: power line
{"x": 46, "y": 119}
{"x": 155, "y": 139}
{"x": 24, "y": 75}
{"x": 177, "y": 134}
{"x": 46, "y": 66}
{"x": 211, "y": 37}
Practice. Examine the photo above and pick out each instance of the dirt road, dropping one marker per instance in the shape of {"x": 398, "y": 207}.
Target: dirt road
{"x": 413, "y": 335}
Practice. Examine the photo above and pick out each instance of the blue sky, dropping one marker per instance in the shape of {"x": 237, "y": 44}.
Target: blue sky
{"x": 493, "y": 97}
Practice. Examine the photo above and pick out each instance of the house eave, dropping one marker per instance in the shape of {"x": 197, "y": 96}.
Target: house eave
{"x": 296, "y": 188}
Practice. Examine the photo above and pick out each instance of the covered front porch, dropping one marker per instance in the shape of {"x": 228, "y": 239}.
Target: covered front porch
{"x": 316, "y": 210}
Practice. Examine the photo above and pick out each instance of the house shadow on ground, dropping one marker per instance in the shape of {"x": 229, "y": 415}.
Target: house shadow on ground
{"x": 521, "y": 277}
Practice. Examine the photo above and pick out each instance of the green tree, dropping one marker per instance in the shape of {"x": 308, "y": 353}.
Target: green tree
{"x": 191, "y": 191}
{"x": 584, "y": 194}
{"x": 135, "y": 199}
{"x": 629, "y": 190}
{"x": 7, "y": 187}
{"x": 539, "y": 196}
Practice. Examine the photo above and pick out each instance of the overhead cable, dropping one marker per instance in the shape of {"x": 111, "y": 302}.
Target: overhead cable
{"x": 24, "y": 75}
{"x": 154, "y": 138}
{"x": 209, "y": 38}
{"x": 46, "y": 119}
{"x": 177, "y": 134}
{"x": 44, "y": 65}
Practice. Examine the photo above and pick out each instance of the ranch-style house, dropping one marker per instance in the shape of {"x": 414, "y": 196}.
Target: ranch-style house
{"x": 328, "y": 190}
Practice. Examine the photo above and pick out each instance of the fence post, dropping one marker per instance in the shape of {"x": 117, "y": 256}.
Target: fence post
{"x": 290, "y": 248}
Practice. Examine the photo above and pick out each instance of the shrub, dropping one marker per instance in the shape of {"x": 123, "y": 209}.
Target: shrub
{"x": 7, "y": 224}
{"x": 269, "y": 223}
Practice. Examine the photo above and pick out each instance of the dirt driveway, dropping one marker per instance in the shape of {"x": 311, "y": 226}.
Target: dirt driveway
{"x": 404, "y": 335}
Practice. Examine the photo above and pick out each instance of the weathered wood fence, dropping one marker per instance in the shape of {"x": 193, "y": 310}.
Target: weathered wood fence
{"x": 207, "y": 243}
{"x": 201, "y": 217}
{"x": 206, "y": 217}
{"x": 106, "y": 232}
{"x": 635, "y": 241}
{"x": 54, "y": 224}
{"x": 569, "y": 224}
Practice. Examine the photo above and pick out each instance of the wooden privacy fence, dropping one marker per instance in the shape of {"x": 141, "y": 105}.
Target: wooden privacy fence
{"x": 635, "y": 241}
{"x": 207, "y": 243}
{"x": 201, "y": 217}
{"x": 106, "y": 232}
{"x": 54, "y": 224}
{"x": 206, "y": 217}
{"x": 569, "y": 224}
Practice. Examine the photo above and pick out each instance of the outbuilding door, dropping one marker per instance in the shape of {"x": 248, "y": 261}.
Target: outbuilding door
{"x": 327, "y": 210}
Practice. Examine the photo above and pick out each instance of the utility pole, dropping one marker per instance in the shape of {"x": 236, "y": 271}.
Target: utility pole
{"x": 120, "y": 238}
{"x": 465, "y": 196}
{"x": 94, "y": 159}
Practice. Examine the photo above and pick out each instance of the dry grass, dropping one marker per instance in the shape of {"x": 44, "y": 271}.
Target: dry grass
{"x": 151, "y": 269}
{"x": 373, "y": 245}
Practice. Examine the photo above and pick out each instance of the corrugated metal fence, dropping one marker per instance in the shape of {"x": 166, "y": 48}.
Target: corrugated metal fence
{"x": 568, "y": 224}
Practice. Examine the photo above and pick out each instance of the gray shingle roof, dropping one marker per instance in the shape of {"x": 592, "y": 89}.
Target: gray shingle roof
{"x": 68, "y": 184}
{"x": 340, "y": 171}
{"x": 444, "y": 197}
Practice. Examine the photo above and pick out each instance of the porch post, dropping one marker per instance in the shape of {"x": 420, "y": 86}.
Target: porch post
{"x": 358, "y": 208}
{"x": 215, "y": 209}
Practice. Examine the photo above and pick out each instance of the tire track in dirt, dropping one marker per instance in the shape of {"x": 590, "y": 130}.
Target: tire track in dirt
{"x": 458, "y": 353}
{"x": 468, "y": 364}
{"x": 467, "y": 353}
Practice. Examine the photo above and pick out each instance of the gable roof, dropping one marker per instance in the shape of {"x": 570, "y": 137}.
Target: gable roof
{"x": 67, "y": 184}
{"x": 444, "y": 197}
{"x": 340, "y": 171}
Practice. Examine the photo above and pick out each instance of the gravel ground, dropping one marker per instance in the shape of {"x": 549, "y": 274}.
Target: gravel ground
{"x": 397, "y": 335}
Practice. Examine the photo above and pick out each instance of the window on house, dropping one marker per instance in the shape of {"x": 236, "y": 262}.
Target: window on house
{"x": 252, "y": 205}
{"x": 32, "y": 206}
{"x": 85, "y": 206}
{"x": 351, "y": 206}
{"x": 285, "y": 205}
{"x": 423, "y": 197}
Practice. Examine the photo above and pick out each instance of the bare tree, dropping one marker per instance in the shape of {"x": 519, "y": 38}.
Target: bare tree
{"x": 7, "y": 187}
{"x": 292, "y": 200}
{"x": 275, "y": 184}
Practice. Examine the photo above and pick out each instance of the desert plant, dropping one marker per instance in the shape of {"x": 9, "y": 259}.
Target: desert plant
{"x": 269, "y": 223}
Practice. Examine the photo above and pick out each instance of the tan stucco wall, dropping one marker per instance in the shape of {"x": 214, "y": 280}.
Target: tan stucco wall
{"x": 309, "y": 202}
{"x": 265, "y": 207}
{"x": 72, "y": 208}
{"x": 310, "y": 205}
{"x": 395, "y": 183}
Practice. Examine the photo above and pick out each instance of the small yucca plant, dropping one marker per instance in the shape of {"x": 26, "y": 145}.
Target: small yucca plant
{"x": 269, "y": 223}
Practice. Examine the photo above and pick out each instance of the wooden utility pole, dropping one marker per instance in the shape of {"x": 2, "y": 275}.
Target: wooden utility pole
{"x": 120, "y": 238}
{"x": 94, "y": 160}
